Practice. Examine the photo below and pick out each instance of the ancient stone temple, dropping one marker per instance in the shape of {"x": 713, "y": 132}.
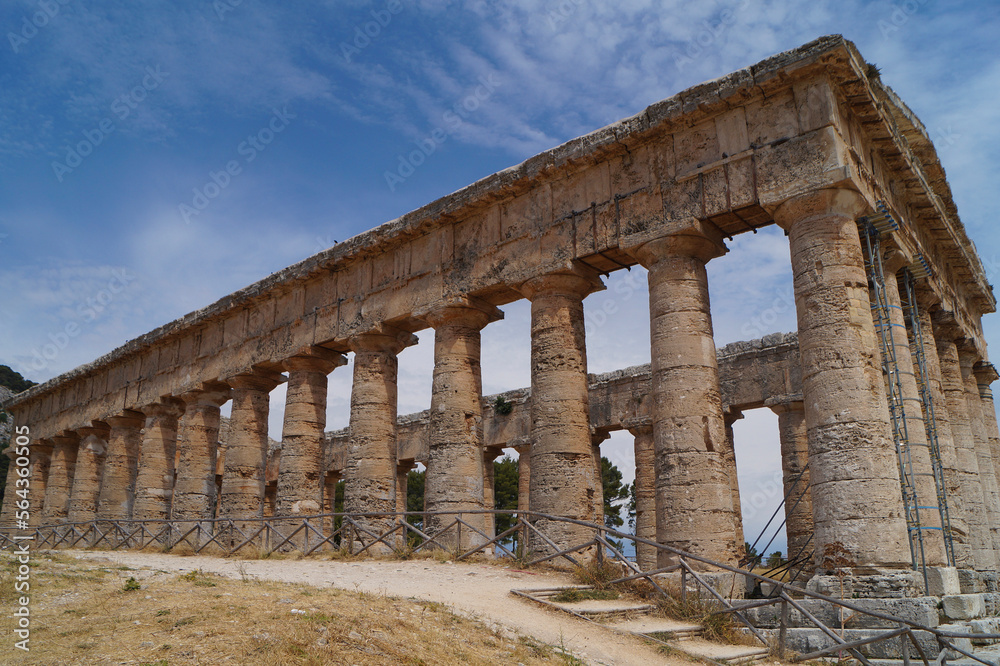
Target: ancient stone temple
{"x": 882, "y": 394}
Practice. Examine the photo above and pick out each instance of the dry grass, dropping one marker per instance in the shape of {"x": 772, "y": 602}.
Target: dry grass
{"x": 81, "y": 614}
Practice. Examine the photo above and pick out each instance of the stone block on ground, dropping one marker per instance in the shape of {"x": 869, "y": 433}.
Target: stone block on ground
{"x": 964, "y": 606}
{"x": 942, "y": 581}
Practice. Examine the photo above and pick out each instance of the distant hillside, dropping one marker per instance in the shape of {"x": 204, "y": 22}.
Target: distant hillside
{"x": 13, "y": 380}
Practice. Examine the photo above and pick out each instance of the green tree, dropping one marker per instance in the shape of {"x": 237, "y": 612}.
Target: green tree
{"x": 505, "y": 482}
{"x": 615, "y": 493}
{"x": 13, "y": 380}
{"x": 774, "y": 559}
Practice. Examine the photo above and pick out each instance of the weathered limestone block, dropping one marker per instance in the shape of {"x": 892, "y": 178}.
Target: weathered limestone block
{"x": 971, "y": 488}
{"x": 920, "y": 456}
{"x": 155, "y": 479}
{"x": 795, "y": 480}
{"x": 923, "y": 610}
{"x": 370, "y": 471}
{"x": 456, "y": 469}
{"x": 242, "y": 492}
{"x": 300, "y": 488}
{"x": 694, "y": 499}
{"x": 563, "y": 478}
{"x": 121, "y": 466}
{"x": 857, "y": 503}
{"x": 60, "y": 480}
{"x": 90, "y": 457}
{"x": 942, "y": 581}
{"x": 964, "y": 606}
{"x": 957, "y": 507}
{"x": 41, "y": 459}
{"x": 645, "y": 495}
{"x": 194, "y": 490}
{"x": 873, "y": 583}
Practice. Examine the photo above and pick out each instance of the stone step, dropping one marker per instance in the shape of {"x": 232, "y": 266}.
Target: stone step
{"x": 805, "y": 641}
{"x": 674, "y": 629}
{"x": 724, "y": 652}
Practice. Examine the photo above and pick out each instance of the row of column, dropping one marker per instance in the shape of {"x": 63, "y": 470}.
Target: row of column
{"x": 110, "y": 470}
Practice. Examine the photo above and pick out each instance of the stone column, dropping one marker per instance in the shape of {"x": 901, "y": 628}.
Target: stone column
{"x": 563, "y": 478}
{"x": 300, "y": 486}
{"x": 157, "y": 455}
{"x": 523, "y": 477}
{"x": 857, "y": 502}
{"x": 197, "y": 442}
{"x": 645, "y": 495}
{"x": 41, "y": 459}
{"x": 121, "y": 466}
{"x": 984, "y": 454}
{"x": 971, "y": 487}
{"x": 456, "y": 469}
{"x": 60, "y": 478}
{"x": 246, "y": 451}
{"x": 798, "y": 495}
{"x": 957, "y": 508}
{"x": 729, "y": 460}
{"x": 986, "y": 374}
{"x": 8, "y": 515}
{"x": 90, "y": 457}
{"x": 920, "y": 456}
{"x": 402, "y": 483}
{"x": 370, "y": 470}
{"x": 694, "y": 500}
{"x": 596, "y": 439}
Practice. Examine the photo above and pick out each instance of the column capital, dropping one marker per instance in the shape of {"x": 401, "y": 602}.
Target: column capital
{"x": 820, "y": 203}
{"x": 785, "y": 407}
{"x": 40, "y": 446}
{"x": 256, "y": 380}
{"x": 642, "y": 425}
{"x": 578, "y": 282}
{"x": 700, "y": 241}
{"x": 315, "y": 359}
{"x": 946, "y": 326}
{"x": 129, "y": 418}
{"x": 214, "y": 395}
{"x": 97, "y": 429}
{"x": 66, "y": 438}
{"x": 731, "y": 415}
{"x": 598, "y": 436}
{"x": 165, "y": 407}
{"x": 893, "y": 260}
{"x": 384, "y": 338}
{"x": 985, "y": 373}
{"x": 464, "y": 310}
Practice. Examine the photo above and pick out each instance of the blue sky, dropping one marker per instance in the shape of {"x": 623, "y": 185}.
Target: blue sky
{"x": 155, "y": 157}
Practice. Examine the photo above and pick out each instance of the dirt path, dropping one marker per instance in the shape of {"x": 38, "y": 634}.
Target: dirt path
{"x": 475, "y": 590}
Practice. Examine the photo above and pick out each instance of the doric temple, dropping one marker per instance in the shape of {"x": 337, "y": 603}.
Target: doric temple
{"x": 883, "y": 393}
